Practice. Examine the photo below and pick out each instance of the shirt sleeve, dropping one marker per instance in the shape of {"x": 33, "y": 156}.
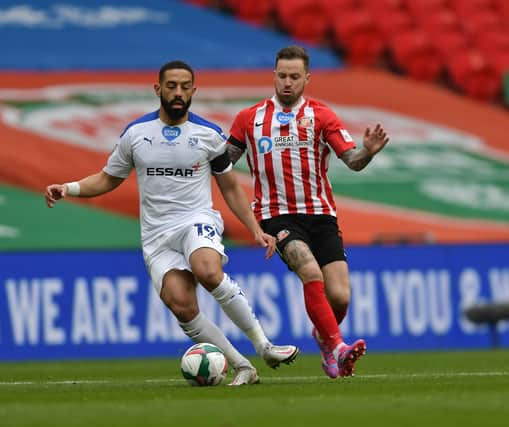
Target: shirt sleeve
{"x": 238, "y": 130}
{"x": 218, "y": 157}
{"x": 120, "y": 162}
{"x": 335, "y": 134}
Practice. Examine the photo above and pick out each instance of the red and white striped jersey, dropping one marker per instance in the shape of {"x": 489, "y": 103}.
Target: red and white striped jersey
{"x": 288, "y": 154}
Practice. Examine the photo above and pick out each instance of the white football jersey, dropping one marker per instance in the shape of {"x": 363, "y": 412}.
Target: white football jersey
{"x": 172, "y": 168}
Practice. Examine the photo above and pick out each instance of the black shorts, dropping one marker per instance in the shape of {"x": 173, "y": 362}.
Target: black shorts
{"x": 320, "y": 232}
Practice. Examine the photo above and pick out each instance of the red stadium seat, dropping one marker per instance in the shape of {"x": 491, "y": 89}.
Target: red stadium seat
{"x": 471, "y": 72}
{"x": 414, "y": 53}
{"x": 502, "y": 7}
{"x": 305, "y": 20}
{"x": 492, "y": 40}
{"x": 500, "y": 62}
{"x": 384, "y": 5}
{"x": 467, "y": 7}
{"x": 448, "y": 43}
{"x": 393, "y": 21}
{"x": 443, "y": 20}
{"x": 333, "y": 6}
{"x": 420, "y": 7}
{"x": 357, "y": 33}
{"x": 257, "y": 12}
{"x": 480, "y": 21}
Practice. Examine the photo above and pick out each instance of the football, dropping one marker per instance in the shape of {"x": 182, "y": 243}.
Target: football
{"x": 204, "y": 365}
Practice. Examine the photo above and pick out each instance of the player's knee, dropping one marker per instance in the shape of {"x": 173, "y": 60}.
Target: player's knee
{"x": 183, "y": 313}
{"x": 310, "y": 272}
{"x": 338, "y": 296}
{"x": 183, "y": 305}
{"x": 209, "y": 275}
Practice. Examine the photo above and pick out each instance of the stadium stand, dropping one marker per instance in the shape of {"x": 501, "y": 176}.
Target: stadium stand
{"x": 413, "y": 52}
{"x": 391, "y": 21}
{"x": 306, "y": 20}
{"x": 461, "y": 44}
{"x": 86, "y": 35}
{"x": 450, "y": 42}
{"x": 471, "y": 72}
{"x": 256, "y": 12}
{"x": 358, "y": 32}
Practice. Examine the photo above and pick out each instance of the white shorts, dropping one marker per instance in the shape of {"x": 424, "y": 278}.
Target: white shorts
{"x": 175, "y": 246}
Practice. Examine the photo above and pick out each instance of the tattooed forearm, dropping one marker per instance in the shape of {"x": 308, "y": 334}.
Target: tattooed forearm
{"x": 234, "y": 152}
{"x": 356, "y": 159}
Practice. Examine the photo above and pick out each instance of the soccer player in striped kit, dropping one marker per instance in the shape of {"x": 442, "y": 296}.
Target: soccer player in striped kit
{"x": 175, "y": 153}
{"x": 289, "y": 139}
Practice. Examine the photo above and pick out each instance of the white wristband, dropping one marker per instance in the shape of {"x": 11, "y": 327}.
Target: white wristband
{"x": 73, "y": 188}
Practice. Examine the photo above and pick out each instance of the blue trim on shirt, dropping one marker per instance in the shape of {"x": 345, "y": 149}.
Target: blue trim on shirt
{"x": 194, "y": 118}
{"x": 154, "y": 115}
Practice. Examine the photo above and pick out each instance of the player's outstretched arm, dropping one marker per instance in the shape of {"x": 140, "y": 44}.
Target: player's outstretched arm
{"x": 236, "y": 200}
{"x": 91, "y": 186}
{"x": 373, "y": 142}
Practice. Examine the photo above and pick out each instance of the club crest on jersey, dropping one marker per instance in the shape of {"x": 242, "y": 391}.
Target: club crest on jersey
{"x": 281, "y": 235}
{"x": 284, "y": 118}
{"x": 192, "y": 141}
{"x": 170, "y": 133}
{"x": 305, "y": 122}
{"x": 264, "y": 145}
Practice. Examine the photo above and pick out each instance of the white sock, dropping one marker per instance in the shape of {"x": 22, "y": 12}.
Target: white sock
{"x": 201, "y": 329}
{"x": 236, "y": 306}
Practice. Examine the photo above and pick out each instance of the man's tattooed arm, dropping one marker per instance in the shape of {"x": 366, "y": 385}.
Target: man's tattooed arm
{"x": 234, "y": 152}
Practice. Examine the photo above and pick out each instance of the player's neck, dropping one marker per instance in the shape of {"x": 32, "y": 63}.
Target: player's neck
{"x": 172, "y": 122}
{"x": 289, "y": 107}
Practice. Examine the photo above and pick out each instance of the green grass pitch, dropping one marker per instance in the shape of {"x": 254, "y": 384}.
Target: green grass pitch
{"x": 401, "y": 389}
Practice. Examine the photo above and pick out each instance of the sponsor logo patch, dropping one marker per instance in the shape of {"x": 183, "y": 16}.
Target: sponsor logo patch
{"x": 346, "y": 136}
{"x": 284, "y": 118}
{"x": 170, "y": 133}
{"x": 264, "y": 145}
{"x": 169, "y": 172}
{"x": 282, "y": 142}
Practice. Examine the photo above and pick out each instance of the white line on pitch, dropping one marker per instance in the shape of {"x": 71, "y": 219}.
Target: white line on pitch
{"x": 267, "y": 380}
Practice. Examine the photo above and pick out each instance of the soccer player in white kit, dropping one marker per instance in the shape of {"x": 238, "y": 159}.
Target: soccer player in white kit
{"x": 174, "y": 153}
